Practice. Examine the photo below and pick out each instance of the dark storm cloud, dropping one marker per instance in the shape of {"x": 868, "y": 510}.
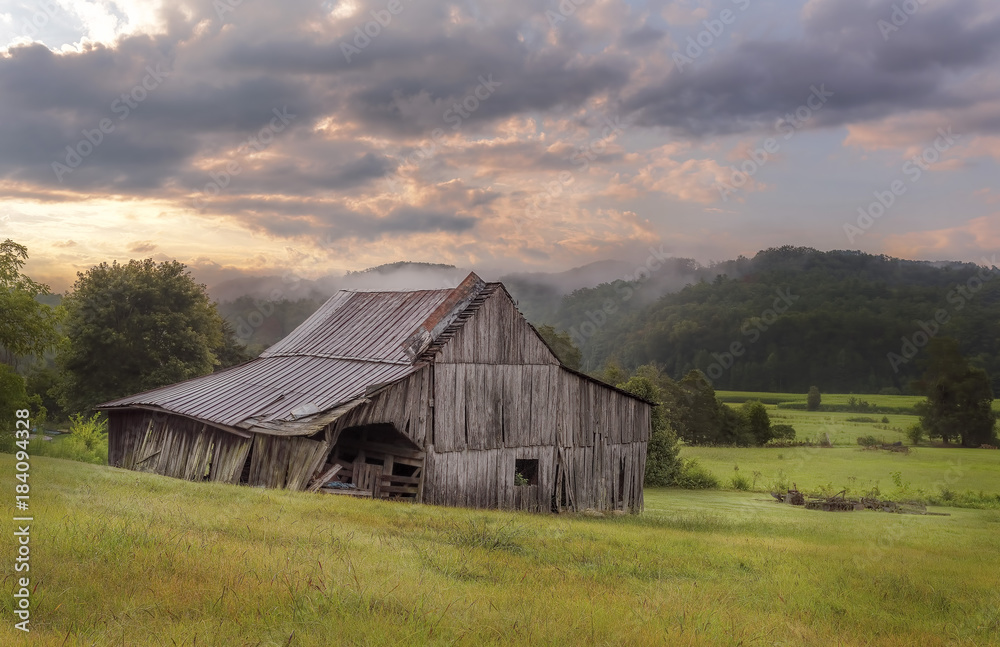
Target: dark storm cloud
{"x": 753, "y": 83}
{"x": 224, "y": 76}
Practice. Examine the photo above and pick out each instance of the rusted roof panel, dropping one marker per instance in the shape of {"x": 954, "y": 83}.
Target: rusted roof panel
{"x": 355, "y": 342}
{"x": 363, "y": 325}
{"x": 270, "y": 393}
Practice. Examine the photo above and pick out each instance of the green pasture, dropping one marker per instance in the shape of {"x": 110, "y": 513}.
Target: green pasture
{"x": 123, "y": 558}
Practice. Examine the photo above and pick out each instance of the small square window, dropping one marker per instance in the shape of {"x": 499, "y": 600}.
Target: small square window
{"x": 526, "y": 471}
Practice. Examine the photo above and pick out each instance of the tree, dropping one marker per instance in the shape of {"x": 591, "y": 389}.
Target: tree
{"x": 662, "y": 460}
{"x": 703, "y": 420}
{"x": 135, "y": 327}
{"x": 13, "y": 397}
{"x": 613, "y": 373}
{"x": 756, "y": 421}
{"x": 27, "y": 327}
{"x": 562, "y": 345}
{"x": 813, "y": 399}
{"x": 959, "y": 400}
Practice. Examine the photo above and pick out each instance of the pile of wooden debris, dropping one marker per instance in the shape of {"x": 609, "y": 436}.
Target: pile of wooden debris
{"x": 841, "y": 503}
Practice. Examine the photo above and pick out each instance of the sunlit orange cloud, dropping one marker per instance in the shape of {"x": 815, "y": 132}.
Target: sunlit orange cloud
{"x": 671, "y": 170}
{"x": 980, "y": 235}
{"x": 912, "y": 133}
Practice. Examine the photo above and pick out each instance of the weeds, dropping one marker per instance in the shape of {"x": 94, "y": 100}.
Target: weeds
{"x": 86, "y": 442}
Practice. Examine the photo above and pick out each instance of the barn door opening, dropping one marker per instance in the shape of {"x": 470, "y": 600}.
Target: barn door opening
{"x": 375, "y": 460}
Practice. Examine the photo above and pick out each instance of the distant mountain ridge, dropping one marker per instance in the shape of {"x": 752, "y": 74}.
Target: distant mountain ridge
{"x": 797, "y": 316}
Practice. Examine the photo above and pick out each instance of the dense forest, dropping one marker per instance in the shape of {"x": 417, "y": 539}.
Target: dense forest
{"x": 793, "y": 317}
{"x": 784, "y": 320}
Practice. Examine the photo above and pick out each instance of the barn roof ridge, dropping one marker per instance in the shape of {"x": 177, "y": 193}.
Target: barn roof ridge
{"x": 355, "y": 341}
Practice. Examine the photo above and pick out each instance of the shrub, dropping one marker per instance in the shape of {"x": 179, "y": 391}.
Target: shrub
{"x": 885, "y": 420}
{"x": 87, "y": 441}
{"x": 813, "y": 399}
{"x": 862, "y": 419}
{"x": 692, "y": 476}
{"x": 915, "y": 433}
{"x": 868, "y": 441}
{"x": 740, "y": 482}
{"x": 859, "y": 405}
{"x": 783, "y": 432}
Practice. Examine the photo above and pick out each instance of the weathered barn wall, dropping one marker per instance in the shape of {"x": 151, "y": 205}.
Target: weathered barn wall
{"x": 497, "y": 334}
{"x": 150, "y": 441}
{"x": 405, "y": 404}
{"x": 500, "y": 395}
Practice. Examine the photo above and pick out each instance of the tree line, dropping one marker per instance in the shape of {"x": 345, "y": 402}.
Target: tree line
{"x": 790, "y": 318}
{"x": 121, "y": 329}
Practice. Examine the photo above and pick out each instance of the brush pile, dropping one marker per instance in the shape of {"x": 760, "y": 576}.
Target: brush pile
{"x": 840, "y": 502}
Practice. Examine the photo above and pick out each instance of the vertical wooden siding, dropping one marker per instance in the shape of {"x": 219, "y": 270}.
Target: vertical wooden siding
{"x": 405, "y": 404}
{"x": 500, "y": 395}
{"x": 148, "y": 441}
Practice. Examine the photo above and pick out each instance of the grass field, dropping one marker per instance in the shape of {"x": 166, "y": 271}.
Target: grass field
{"x": 838, "y": 399}
{"x": 816, "y": 425}
{"x": 857, "y": 470}
{"x": 892, "y": 401}
{"x": 121, "y": 558}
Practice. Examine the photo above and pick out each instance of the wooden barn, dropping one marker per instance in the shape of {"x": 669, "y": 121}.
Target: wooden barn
{"x": 441, "y": 396}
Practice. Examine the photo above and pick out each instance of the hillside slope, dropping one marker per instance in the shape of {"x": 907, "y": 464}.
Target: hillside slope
{"x": 798, "y": 317}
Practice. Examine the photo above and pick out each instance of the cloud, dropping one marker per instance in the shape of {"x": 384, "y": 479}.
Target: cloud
{"x": 971, "y": 239}
{"x": 142, "y": 247}
{"x": 750, "y": 84}
{"x": 402, "y": 148}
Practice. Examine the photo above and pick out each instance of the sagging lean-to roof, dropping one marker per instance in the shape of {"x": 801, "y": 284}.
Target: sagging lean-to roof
{"x": 353, "y": 345}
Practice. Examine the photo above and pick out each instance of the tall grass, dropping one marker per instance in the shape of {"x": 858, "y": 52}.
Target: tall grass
{"x": 125, "y": 558}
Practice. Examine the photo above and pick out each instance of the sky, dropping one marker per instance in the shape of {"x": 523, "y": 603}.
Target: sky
{"x": 247, "y": 137}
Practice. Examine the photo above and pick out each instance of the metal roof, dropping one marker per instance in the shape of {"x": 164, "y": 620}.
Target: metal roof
{"x": 370, "y": 326}
{"x": 355, "y": 342}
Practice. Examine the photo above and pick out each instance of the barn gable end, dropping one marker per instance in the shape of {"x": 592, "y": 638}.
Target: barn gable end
{"x": 504, "y": 406}
{"x": 496, "y": 334}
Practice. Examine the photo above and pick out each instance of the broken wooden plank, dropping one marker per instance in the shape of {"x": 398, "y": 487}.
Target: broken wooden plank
{"x": 325, "y": 478}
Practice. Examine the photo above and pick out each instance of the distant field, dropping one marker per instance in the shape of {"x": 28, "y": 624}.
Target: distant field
{"x": 814, "y": 425}
{"x": 893, "y": 401}
{"x": 121, "y": 558}
{"x": 855, "y": 469}
{"x": 889, "y": 401}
